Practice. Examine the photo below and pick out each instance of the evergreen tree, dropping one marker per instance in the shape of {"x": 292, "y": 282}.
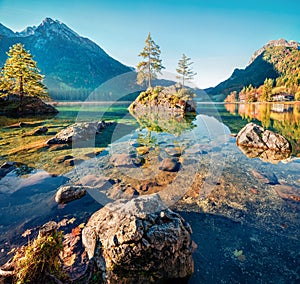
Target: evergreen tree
{"x": 20, "y": 74}
{"x": 185, "y": 70}
{"x": 152, "y": 64}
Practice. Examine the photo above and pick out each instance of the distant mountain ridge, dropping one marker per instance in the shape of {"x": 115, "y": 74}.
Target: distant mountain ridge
{"x": 73, "y": 65}
{"x": 272, "y": 43}
{"x": 258, "y": 69}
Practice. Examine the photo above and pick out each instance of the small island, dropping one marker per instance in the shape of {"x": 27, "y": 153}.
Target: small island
{"x": 173, "y": 99}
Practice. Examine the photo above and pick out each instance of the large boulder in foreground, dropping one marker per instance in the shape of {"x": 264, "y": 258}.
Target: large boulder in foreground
{"x": 79, "y": 131}
{"x": 13, "y": 105}
{"x": 253, "y": 135}
{"x": 139, "y": 240}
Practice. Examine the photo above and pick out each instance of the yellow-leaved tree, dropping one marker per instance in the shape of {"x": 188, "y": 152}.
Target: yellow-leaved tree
{"x": 20, "y": 74}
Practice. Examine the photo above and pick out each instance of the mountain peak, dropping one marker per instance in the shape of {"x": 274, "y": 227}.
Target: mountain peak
{"x": 51, "y": 28}
{"x": 48, "y": 21}
{"x": 272, "y": 43}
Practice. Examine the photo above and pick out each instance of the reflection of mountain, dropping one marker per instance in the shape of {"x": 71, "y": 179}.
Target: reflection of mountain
{"x": 283, "y": 118}
{"x": 164, "y": 122}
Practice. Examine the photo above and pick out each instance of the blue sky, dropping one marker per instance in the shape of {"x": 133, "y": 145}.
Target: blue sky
{"x": 218, "y": 35}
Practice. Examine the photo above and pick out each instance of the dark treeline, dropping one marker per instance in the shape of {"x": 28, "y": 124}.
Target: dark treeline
{"x": 86, "y": 94}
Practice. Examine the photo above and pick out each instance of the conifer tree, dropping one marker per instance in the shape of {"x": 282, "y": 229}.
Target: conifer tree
{"x": 20, "y": 74}
{"x": 185, "y": 69}
{"x": 152, "y": 64}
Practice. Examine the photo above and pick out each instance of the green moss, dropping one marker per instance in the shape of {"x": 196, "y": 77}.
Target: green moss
{"x": 154, "y": 94}
{"x": 39, "y": 258}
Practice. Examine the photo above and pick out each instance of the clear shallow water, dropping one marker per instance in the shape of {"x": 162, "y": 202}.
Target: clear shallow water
{"x": 236, "y": 203}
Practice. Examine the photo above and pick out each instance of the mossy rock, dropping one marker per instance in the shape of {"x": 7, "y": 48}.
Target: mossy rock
{"x": 171, "y": 98}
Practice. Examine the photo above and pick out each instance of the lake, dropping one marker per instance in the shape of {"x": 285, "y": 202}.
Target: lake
{"x": 244, "y": 209}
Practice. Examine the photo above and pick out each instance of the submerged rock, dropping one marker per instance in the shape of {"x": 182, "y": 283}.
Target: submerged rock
{"x": 173, "y": 152}
{"x": 139, "y": 239}
{"x": 253, "y": 135}
{"x": 72, "y": 162}
{"x": 61, "y": 159}
{"x": 288, "y": 192}
{"x": 79, "y": 131}
{"x": 41, "y": 130}
{"x": 125, "y": 160}
{"x": 265, "y": 178}
{"x": 96, "y": 182}
{"x": 169, "y": 165}
{"x": 119, "y": 191}
{"x": 69, "y": 193}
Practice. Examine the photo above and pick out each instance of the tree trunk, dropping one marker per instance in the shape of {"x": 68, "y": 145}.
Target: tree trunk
{"x": 149, "y": 70}
{"x": 21, "y": 93}
{"x": 21, "y": 88}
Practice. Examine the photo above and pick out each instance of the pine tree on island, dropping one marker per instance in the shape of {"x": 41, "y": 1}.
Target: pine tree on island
{"x": 185, "y": 69}
{"x": 151, "y": 64}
